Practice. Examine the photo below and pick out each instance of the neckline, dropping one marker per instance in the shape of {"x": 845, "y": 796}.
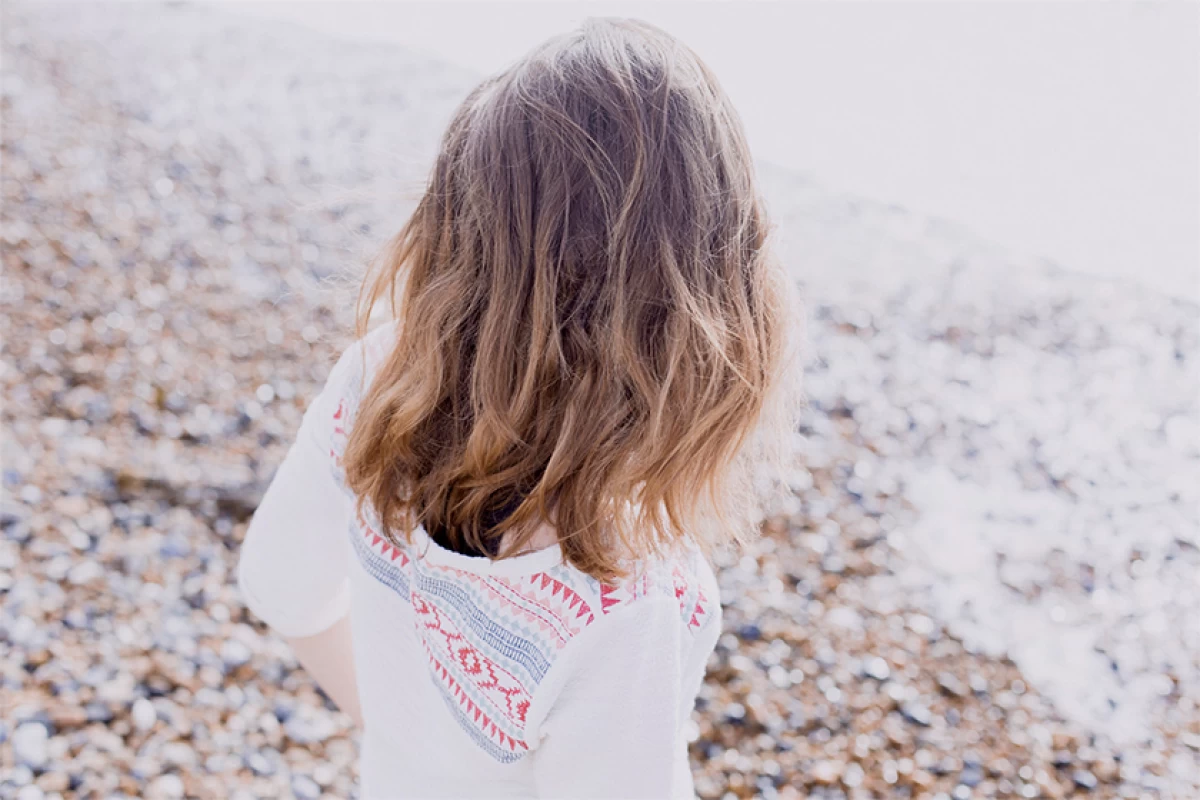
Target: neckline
{"x": 425, "y": 548}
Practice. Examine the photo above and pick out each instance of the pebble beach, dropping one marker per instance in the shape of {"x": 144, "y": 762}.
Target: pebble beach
{"x": 984, "y": 582}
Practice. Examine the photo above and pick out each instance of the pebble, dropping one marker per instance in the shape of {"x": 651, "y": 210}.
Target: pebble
{"x": 951, "y": 685}
{"x": 67, "y": 716}
{"x": 30, "y": 744}
{"x": 166, "y": 787}
{"x": 259, "y": 764}
{"x": 324, "y": 774}
{"x": 826, "y": 772}
{"x": 1084, "y": 779}
{"x": 305, "y": 788}
{"x": 178, "y": 754}
{"x": 85, "y": 572}
{"x": 309, "y": 727}
{"x": 54, "y": 782}
{"x": 235, "y": 653}
{"x": 143, "y": 714}
{"x": 917, "y": 713}
{"x": 878, "y": 669}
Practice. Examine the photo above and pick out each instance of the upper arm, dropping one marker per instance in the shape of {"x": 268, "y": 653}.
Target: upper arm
{"x": 292, "y": 570}
{"x": 613, "y": 729}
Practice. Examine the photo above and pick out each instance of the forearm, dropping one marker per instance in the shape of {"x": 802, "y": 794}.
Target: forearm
{"x": 329, "y": 658}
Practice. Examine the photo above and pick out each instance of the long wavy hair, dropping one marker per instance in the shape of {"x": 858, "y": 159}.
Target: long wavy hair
{"x": 592, "y": 330}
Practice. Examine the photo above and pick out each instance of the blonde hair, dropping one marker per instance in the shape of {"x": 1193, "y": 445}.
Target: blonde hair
{"x": 590, "y": 322}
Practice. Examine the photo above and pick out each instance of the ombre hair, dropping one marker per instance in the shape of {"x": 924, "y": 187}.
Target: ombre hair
{"x": 591, "y": 326}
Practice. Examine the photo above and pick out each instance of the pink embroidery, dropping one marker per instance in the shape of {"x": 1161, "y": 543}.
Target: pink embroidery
{"x": 443, "y": 638}
{"x": 699, "y": 613}
{"x": 374, "y": 540}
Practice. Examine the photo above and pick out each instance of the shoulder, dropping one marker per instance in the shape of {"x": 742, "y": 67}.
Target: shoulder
{"x": 347, "y": 383}
{"x": 359, "y": 362}
{"x": 629, "y": 629}
{"x": 578, "y": 605}
{"x": 553, "y": 609}
{"x": 672, "y": 600}
{"x": 684, "y": 582}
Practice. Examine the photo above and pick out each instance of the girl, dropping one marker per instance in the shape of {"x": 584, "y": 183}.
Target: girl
{"x": 490, "y": 542}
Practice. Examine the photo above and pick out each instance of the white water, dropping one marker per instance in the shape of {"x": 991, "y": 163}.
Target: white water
{"x": 1065, "y": 130}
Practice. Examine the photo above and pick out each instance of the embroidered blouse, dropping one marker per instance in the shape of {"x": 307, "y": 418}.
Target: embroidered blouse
{"x": 479, "y": 678}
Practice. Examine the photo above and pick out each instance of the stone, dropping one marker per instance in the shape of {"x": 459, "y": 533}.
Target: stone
{"x": 85, "y": 572}
{"x": 166, "y": 787}
{"x": 30, "y": 744}
{"x": 143, "y": 714}
{"x": 235, "y": 653}
{"x": 305, "y": 788}
{"x": 877, "y": 668}
{"x": 57, "y": 781}
{"x": 67, "y": 716}
{"x": 827, "y": 772}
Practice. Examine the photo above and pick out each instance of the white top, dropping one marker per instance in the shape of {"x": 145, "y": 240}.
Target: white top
{"x": 518, "y": 678}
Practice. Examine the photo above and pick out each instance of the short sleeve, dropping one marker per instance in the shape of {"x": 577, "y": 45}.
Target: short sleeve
{"x": 613, "y": 731}
{"x": 292, "y": 571}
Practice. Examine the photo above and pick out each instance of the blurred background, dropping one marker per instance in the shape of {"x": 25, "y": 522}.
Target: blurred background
{"x": 896, "y": 101}
{"x": 986, "y": 581}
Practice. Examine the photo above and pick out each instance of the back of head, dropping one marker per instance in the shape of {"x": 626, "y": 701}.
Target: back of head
{"x": 591, "y": 324}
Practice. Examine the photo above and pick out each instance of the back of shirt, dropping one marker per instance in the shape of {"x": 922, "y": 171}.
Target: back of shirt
{"x": 480, "y": 678}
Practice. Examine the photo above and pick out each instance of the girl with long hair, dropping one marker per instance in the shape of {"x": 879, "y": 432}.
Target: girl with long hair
{"x": 491, "y": 541}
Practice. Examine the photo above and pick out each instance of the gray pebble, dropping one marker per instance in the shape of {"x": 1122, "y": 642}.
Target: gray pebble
{"x": 234, "y": 653}
{"x": 260, "y": 764}
{"x": 143, "y": 714}
{"x": 305, "y": 788}
{"x": 917, "y": 713}
{"x": 877, "y": 668}
{"x": 85, "y": 572}
{"x": 309, "y": 727}
{"x": 167, "y": 787}
{"x": 30, "y": 744}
